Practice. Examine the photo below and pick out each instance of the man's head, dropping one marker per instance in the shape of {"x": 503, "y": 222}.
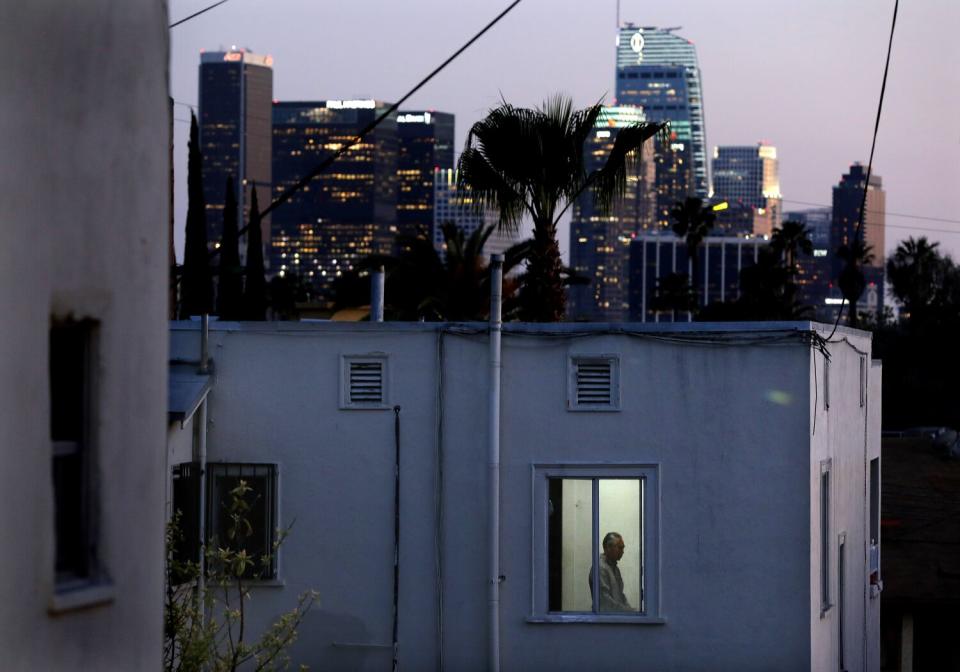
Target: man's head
{"x": 613, "y": 546}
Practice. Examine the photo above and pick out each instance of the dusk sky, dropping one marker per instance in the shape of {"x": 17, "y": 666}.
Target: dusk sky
{"x": 803, "y": 76}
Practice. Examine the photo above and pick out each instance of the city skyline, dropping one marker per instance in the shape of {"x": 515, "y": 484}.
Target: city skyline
{"x": 812, "y": 93}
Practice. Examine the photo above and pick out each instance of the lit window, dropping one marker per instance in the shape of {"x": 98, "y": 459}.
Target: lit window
{"x": 599, "y": 555}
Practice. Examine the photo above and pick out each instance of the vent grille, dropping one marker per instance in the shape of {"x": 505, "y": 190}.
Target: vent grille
{"x": 366, "y": 382}
{"x": 594, "y": 383}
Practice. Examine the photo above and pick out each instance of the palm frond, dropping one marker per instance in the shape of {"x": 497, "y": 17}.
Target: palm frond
{"x": 610, "y": 181}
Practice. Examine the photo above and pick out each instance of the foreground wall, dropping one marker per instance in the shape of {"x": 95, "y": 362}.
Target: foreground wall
{"x": 722, "y": 430}
{"x": 84, "y": 128}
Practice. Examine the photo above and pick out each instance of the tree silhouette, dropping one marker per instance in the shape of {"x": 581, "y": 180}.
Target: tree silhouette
{"x": 789, "y": 240}
{"x": 230, "y": 285}
{"x": 255, "y": 287}
{"x": 692, "y": 221}
{"x": 852, "y": 281}
{"x": 530, "y": 162}
{"x": 674, "y": 294}
{"x": 196, "y": 289}
{"x": 422, "y": 285}
{"x": 918, "y": 274}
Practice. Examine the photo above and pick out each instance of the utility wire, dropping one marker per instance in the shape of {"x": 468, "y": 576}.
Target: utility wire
{"x": 196, "y": 14}
{"x": 879, "y": 212}
{"x": 873, "y": 145}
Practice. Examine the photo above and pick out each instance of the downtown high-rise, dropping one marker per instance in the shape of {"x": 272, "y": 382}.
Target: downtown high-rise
{"x": 425, "y": 140}
{"x": 658, "y": 71}
{"x": 747, "y": 178}
{"x": 349, "y": 210}
{"x": 600, "y": 241}
{"x": 236, "y": 92}
{"x": 848, "y": 198}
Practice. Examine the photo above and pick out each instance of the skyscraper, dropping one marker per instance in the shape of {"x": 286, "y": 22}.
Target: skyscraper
{"x": 600, "y": 243}
{"x": 236, "y": 91}
{"x": 426, "y": 144}
{"x": 847, "y": 199}
{"x": 658, "y": 71}
{"x": 747, "y": 178}
{"x": 349, "y": 210}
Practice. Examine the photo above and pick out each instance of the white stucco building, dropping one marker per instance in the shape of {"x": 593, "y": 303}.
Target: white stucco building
{"x": 734, "y": 460}
{"x": 85, "y": 128}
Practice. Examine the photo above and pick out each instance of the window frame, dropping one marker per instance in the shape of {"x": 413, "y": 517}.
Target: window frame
{"x": 825, "y": 499}
{"x": 540, "y": 474}
{"x": 215, "y": 469}
{"x": 83, "y": 448}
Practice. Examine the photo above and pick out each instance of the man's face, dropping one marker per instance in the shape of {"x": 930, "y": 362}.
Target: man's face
{"x": 614, "y": 550}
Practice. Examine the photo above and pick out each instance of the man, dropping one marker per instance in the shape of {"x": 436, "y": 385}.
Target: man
{"x": 611, "y": 582}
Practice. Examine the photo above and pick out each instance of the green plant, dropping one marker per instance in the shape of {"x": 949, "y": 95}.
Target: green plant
{"x": 205, "y": 608}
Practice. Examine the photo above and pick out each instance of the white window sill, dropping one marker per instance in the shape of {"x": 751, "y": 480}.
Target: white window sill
{"x": 81, "y": 597}
{"x": 597, "y": 618}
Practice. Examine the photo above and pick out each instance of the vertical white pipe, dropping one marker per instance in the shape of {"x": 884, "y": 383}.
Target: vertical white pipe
{"x": 493, "y": 542}
{"x": 376, "y": 295}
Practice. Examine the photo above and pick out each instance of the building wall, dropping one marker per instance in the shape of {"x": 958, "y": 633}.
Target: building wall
{"x": 729, "y": 429}
{"x": 848, "y": 435}
{"x": 85, "y": 133}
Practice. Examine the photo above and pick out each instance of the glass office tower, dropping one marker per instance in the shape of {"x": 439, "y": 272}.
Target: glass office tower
{"x": 747, "y": 178}
{"x": 658, "y": 71}
{"x": 236, "y": 92}
{"x": 426, "y": 145}
{"x": 600, "y": 242}
{"x": 349, "y": 210}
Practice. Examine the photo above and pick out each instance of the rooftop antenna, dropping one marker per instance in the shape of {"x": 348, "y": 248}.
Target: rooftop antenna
{"x": 618, "y": 16}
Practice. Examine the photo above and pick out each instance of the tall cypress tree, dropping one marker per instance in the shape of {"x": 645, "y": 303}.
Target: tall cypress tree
{"x": 255, "y": 289}
{"x": 196, "y": 290}
{"x": 230, "y": 287}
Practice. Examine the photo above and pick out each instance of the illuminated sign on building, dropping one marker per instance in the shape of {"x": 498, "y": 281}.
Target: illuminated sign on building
{"x": 424, "y": 118}
{"x": 351, "y": 104}
{"x": 636, "y": 43}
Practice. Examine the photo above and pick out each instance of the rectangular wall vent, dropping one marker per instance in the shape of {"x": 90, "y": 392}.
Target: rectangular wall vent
{"x": 594, "y": 379}
{"x": 594, "y": 383}
{"x": 364, "y": 381}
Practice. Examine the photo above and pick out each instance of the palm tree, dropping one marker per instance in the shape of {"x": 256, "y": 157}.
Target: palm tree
{"x": 916, "y": 273}
{"x": 787, "y": 241}
{"x": 692, "y": 220}
{"x": 530, "y": 162}
{"x": 852, "y": 281}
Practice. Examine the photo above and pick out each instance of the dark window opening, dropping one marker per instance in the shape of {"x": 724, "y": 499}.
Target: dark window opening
{"x": 256, "y": 539}
{"x": 70, "y": 411}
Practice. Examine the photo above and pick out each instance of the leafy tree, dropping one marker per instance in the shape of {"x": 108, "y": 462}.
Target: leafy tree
{"x": 852, "y": 281}
{"x": 230, "y": 287}
{"x": 692, "y": 221}
{"x": 530, "y": 162}
{"x": 196, "y": 289}
{"x": 255, "y": 288}
{"x": 674, "y": 294}
{"x": 205, "y": 621}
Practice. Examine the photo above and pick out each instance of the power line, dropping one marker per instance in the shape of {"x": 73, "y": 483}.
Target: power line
{"x": 873, "y": 146}
{"x": 196, "y": 14}
{"x": 881, "y": 212}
